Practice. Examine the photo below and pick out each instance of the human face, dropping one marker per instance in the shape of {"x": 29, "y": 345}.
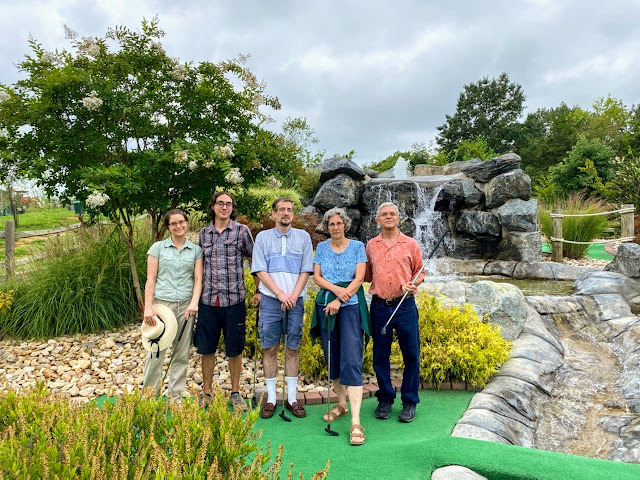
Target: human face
{"x": 177, "y": 225}
{"x": 336, "y": 227}
{"x": 283, "y": 214}
{"x": 388, "y": 218}
{"x": 223, "y": 207}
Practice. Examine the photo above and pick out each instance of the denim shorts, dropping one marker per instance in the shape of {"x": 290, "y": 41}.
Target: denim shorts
{"x": 231, "y": 321}
{"x": 272, "y": 323}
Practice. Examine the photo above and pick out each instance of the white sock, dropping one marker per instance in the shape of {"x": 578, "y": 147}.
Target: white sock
{"x": 292, "y": 389}
{"x": 271, "y": 389}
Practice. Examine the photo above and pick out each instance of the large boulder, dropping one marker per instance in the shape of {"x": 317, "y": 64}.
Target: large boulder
{"x": 503, "y": 303}
{"x": 626, "y": 261}
{"x": 478, "y": 224}
{"x": 513, "y": 184}
{"x": 455, "y": 472}
{"x": 485, "y": 171}
{"x": 521, "y": 246}
{"x": 519, "y": 215}
{"x": 340, "y": 191}
{"x": 458, "y": 194}
{"x": 448, "y": 169}
{"x": 333, "y": 167}
{"x": 599, "y": 282}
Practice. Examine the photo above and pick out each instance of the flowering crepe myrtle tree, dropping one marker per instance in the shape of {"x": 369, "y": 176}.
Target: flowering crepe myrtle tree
{"x": 118, "y": 124}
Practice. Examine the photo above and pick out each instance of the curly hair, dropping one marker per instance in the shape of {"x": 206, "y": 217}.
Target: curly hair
{"x": 332, "y": 213}
{"x": 214, "y": 199}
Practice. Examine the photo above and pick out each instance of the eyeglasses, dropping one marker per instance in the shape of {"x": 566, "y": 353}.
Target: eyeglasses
{"x": 180, "y": 223}
{"x": 224, "y": 204}
{"x": 337, "y": 224}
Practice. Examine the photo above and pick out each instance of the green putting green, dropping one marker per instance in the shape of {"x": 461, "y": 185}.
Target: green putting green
{"x": 406, "y": 451}
{"x": 596, "y": 252}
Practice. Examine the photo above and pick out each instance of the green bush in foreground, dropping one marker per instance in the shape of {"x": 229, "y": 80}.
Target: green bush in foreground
{"x": 83, "y": 284}
{"x": 46, "y": 436}
{"x": 455, "y": 343}
{"x": 577, "y": 229}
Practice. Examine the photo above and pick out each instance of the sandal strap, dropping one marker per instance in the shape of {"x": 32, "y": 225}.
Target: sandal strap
{"x": 336, "y": 412}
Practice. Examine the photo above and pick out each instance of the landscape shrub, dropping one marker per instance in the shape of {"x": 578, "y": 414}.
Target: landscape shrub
{"x": 46, "y": 436}
{"x": 5, "y": 300}
{"x": 83, "y": 284}
{"x": 255, "y": 202}
{"x": 455, "y": 343}
{"x": 577, "y": 229}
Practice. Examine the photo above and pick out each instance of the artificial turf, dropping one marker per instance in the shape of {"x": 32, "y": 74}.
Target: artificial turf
{"x": 406, "y": 451}
{"x": 595, "y": 251}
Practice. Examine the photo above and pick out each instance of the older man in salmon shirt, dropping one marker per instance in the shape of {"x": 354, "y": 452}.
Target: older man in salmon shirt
{"x": 393, "y": 261}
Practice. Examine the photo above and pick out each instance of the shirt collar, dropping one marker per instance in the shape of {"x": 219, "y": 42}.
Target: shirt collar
{"x": 169, "y": 243}
{"x": 280, "y": 234}
{"x": 402, "y": 238}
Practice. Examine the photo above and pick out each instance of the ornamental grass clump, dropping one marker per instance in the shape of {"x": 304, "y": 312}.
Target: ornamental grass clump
{"x": 83, "y": 284}
{"x": 46, "y": 436}
{"x": 456, "y": 344}
{"x": 577, "y": 229}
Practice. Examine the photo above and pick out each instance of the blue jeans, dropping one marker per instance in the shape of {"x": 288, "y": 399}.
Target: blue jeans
{"x": 405, "y": 323}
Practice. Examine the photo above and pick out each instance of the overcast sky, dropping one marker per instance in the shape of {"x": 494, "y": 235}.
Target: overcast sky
{"x": 372, "y": 76}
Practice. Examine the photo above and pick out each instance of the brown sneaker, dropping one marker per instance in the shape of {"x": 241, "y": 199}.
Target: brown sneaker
{"x": 267, "y": 410}
{"x": 296, "y": 409}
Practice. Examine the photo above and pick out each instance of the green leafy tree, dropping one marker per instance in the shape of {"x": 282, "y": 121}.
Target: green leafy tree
{"x": 476, "y": 148}
{"x": 570, "y": 176}
{"x": 489, "y": 108}
{"x": 117, "y": 123}
{"x": 624, "y": 186}
{"x": 547, "y": 136}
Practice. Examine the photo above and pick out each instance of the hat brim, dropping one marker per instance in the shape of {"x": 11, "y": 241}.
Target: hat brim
{"x": 171, "y": 328}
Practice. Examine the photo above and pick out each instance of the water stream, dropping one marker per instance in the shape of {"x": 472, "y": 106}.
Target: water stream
{"x": 585, "y": 405}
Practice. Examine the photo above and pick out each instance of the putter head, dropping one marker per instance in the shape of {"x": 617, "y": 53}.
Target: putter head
{"x": 333, "y": 433}
{"x": 284, "y": 416}
{"x": 384, "y": 330}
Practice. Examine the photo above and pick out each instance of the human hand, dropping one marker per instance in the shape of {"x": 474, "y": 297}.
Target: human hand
{"x": 410, "y": 288}
{"x": 192, "y": 309}
{"x": 255, "y": 300}
{"x": 149, "y": 316}
{"x": 342, "y": 294}
{"x": 287, "y": 300}
{"x": 332, "y": 307}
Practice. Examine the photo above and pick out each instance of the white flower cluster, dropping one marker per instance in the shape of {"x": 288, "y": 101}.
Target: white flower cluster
{"x": 181, "y": 156}
{"x": 89, "y": 46}
{"x": 179, "y": 72}
{"x": 96, "y": 199}
{"x": 225, "y": 152}
{"x": 209, "y": 163}
{"x": 92, "y": 102}
{"x": 4, "y": 96}
{"x": 192, "y": 165}
{"x": 234, "y": 176}
{"x": 273, "y": 183}
{"x": 157, "y": 46}
{"x": 4, "y": 133}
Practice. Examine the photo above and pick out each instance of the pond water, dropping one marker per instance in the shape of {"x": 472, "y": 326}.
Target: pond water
{"x": 527, "y": 286}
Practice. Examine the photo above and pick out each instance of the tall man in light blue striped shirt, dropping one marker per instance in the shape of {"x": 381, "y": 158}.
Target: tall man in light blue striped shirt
{"x": 282, "y": 261}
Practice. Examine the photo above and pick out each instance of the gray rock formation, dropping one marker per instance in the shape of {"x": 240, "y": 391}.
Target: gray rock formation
{"x": 340, "y": 191}
{"x": 478, "y": 224}
{"x": 455, "y": 472}
{"x": 519, "y": 215}
{"x": 520, "y": 246}
{"x": 513, "y": 184}
{"x": 332, "y": 167}
{"x": 458, "y": 194}
{"x": 485, "y": 171}
{"x": 626, "y": 261}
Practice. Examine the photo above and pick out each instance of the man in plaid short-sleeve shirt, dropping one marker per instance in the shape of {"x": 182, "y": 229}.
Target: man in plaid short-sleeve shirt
{"x": 225, "y": 244}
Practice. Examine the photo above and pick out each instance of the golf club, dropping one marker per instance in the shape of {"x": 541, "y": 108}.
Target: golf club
{"x": 328, "y": 427}
{"x": 384, "y": 329}
{"x": 284, "y": 373}
{"x": 254, "y": 403}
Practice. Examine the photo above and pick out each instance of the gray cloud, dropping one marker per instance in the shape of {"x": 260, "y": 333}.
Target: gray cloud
{"x": 374, "y": 78}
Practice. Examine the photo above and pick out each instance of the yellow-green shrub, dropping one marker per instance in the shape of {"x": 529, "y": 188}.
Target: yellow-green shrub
{"x": 46, "y": 436}
{"x": 5, "y": 300}
{"x": 455, "y": 343}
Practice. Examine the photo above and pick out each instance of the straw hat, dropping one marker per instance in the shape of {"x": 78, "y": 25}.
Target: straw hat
{"x": 161, "y": 335}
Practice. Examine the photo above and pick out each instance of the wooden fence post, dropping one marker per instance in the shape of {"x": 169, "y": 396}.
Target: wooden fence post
{"x": 9, "y": 249}
{"x": 556, "y": 232}
{"x": 626, "y": 222}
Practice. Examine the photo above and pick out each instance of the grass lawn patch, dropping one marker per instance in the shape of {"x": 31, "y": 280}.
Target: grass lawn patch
{"x": 395, "y": 450}
{"x": 42, "y": 219}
